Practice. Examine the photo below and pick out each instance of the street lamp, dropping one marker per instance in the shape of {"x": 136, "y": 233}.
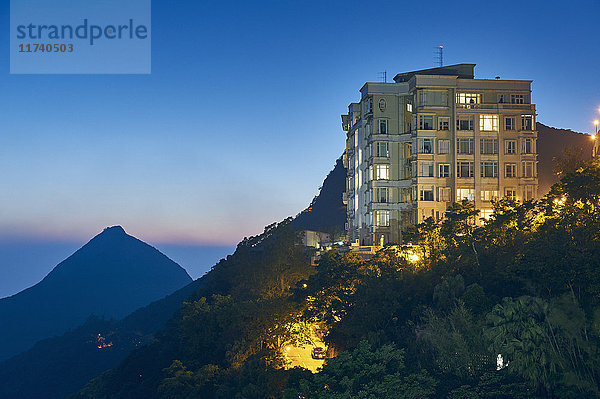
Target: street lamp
{"x": 596, "y": 122}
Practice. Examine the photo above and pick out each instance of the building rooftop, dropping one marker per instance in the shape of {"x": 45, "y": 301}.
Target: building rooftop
{"x": 463, "y": 71}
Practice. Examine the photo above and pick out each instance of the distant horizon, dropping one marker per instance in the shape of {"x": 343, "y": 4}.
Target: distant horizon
{"x": 26, "y": 262}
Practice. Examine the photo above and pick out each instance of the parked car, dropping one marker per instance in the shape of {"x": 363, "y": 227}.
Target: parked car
{"x": 318, "y": 352}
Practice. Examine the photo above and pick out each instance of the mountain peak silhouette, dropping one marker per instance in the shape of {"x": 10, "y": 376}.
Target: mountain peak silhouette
{"x": 110, "y": 276}
{"x": 114, "y": 230}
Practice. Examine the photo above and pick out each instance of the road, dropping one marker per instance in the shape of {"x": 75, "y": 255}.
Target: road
{"x": 301, "y": 357}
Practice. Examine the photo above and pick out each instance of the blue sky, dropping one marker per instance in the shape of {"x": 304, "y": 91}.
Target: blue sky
{"x": 239, "y": 121}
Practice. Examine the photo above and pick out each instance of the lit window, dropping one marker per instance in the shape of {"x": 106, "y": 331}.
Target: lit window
{"x": 464, "y": 123}
{"x": 444, "y": 170}
{"x": 527, "y": 122}
{"x": 486, "y": 213}
{"x": 426, "y": 194}
{"x": 444, "y": 194}
{"x": 528, "y": 169}
{"x": 517, "y": 99}
{"x": 488, "y": 195}
{"x": 489, "y": 169}
{"x": 509, "y": 123}
{"x": 510, "y": 146}
{"x": 528, "y": 193}
{"x": 510, "y": 170}
{"x": 443, "y": 123}
{"x": 443, "y": 146}
{"x": 468, "y": 100}
{"x": 382, "y": 172}
{"x": 510, "y": 193}
{"x": 382, "y": 218}
{"x": 382, "y": 150}
{"x": 489, "y": 146}
{"x": 464, "y": 146}
{"x": 409, "y": 107}
{"x": 426, "y": 146}
{"x": 426, "y": 122}
{"x": 464, "y": 169}
{"x": 381, "y": 194}
{"x": 488, "y": 123}
{"x": 527, "y": 146}
{"x": 465, "y": 194}
{"x": 383, "y": 126}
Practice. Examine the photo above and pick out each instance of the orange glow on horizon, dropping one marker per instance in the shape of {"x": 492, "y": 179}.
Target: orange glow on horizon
{"x": 153, "y": 235}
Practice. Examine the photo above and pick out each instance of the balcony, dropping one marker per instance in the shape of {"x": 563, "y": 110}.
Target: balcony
{"x": 345, "y": 198}
{"x": 428, "y": 107}
{"x": 373, "y": 159}
{"x": 529, "y": 132}
{"x": 498, "y": 106}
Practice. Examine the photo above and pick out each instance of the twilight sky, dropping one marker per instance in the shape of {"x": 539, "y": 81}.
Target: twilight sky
{"x": 239, "y": 121}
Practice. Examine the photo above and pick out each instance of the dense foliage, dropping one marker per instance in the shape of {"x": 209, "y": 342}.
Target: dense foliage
{"x": 505, "y": 308}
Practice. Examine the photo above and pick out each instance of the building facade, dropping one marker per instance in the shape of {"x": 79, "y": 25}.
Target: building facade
{"x": 432, "y": 138}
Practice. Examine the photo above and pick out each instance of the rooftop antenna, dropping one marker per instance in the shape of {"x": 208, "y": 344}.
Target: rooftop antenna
{"x": 440, "y": 56}
{"x": 383, "y": 76}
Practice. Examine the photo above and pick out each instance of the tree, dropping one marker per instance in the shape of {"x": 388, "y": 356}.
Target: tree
{"x": 366, "y": 372}
{"x": 457, "y": 342}
{"x": 459, "y": 231}
{"x": 329, "y": 291}
{"x": 448, "y": 291}
{"x": 571, "y": 159}
{"x": 547, "y": 344}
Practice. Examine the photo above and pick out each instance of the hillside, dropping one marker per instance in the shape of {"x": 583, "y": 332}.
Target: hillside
{"x": 552, "y": 143}
{"x": 46, "y": 370}
{"x": 110, "y": 276}
{"x": 326, "y": 212}
{"x": 61, "y": 365}
{"x": 248, "y": 290}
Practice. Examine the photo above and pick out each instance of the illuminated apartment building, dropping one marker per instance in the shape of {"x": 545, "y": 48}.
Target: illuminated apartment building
{"x": 431, "y": 138}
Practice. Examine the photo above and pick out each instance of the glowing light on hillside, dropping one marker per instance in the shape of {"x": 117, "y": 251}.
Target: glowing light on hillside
{"x": 413, "y": 257}
{"x": 560, "y": 201}
{"x": 411, "y": 253}
{"x": 500, "y": 362}
{"x": 101, "y": 342}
